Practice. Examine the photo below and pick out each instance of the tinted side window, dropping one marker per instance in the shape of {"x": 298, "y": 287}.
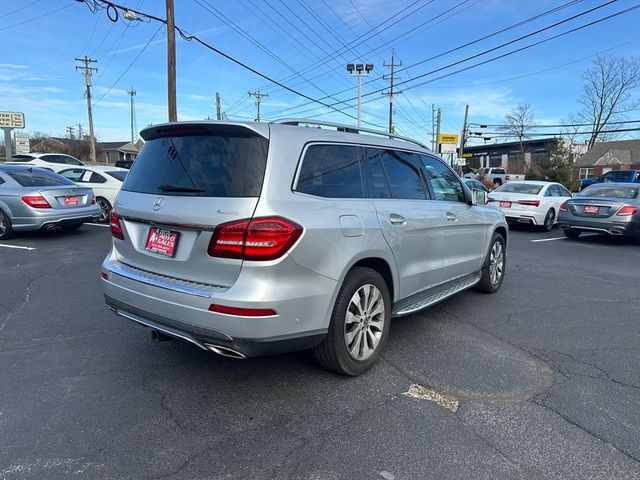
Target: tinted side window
{"x": 97, "y": 178}
{"x": 377, "y": 182}
{"x": 445, "y": 184}
{"x": 403, "y": 172}
{"x": 331, "y": 171}
{"x": 74, "y": 175}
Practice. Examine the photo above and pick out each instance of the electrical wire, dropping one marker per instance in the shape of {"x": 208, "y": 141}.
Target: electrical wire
{"x": 129, "y": 66}
{"x": 38, "y": 17}
{"x": 19, "y": 9}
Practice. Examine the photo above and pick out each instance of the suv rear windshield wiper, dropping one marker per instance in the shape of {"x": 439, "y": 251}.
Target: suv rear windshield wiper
{"x": 179, "y": 188}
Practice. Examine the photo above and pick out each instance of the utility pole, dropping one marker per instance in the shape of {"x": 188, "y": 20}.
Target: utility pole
{"x": 433, "y": 127}
{"x": 134, "y": 127}
{"x": 88, "y": 71}
{"x": 258, "y": 96}
{"x": 80, "y": 131}
{"x": 463, "y": 137}
{"x": 218, "y": 115}
{"x": 391, "y": 93}
{"x": 171, "y": 63}
{"x": 438, "y": 131}
{"x": 70, "y": 131}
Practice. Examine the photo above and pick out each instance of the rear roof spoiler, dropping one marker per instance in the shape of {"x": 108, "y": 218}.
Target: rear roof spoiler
{"x": 206, "y": 127}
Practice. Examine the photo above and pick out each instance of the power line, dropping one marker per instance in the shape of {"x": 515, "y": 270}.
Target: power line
{"x": 195, "y": 38}
{"x": 38, "y": 17}
{"x": 19, "y": 9}
{"x": 128, "y": 66}
{"x": 622, "y": 122}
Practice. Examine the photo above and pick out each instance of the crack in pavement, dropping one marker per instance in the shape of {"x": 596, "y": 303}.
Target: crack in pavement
{"x": 584, "y": 429}
{"x": 606, "y": 377}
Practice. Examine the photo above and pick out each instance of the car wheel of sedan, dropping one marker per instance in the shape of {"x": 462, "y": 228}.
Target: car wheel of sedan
{"x": 359, "y": 324}
{"x": 105, "y": 209}
{"x": 5, "y": 226}
{"x": 570, "y": 233}
{"x": 494, "y": 266}
{"x": 549, "y": 220}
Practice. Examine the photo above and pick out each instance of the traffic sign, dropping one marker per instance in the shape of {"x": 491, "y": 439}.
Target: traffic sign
{"x": 11, "y": 120}
{"x": 22, "y": 142}
{"x": 448, "y": 138}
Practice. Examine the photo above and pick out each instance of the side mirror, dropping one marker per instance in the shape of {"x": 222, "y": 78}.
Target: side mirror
{"x": 479, "y": 197}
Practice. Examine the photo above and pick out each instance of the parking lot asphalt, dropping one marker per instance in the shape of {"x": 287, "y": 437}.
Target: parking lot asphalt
{"x": 541, "y": 380}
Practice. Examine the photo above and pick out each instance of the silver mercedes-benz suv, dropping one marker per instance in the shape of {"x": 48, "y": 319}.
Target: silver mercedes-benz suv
{"x": 250, "y": 238}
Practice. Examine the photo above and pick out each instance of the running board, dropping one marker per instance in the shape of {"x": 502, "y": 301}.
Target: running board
{"x": 437, "y": 294}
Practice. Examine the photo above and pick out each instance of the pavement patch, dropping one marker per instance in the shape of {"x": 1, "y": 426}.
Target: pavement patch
{"x": 424, "y": 393}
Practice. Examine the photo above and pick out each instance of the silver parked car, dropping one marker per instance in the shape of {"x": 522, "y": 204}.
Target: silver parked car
{"x": 256, "y": 238}
{"x": 612, "y": 208}
{"x": 32, "y": 198}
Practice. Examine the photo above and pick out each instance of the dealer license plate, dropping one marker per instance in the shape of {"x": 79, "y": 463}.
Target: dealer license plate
{"x": 71, "y": 201}
{"x": 505, "y": 204}
{"x": 162, "y": 241}
{"x": 591, "y": 209}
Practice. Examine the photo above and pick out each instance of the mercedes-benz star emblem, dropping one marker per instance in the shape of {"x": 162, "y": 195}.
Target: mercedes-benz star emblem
{"x": 157, "y": 205}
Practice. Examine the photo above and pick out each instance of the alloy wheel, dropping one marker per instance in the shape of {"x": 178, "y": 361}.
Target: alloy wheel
{"x": 496, "y": 263}
{"x": 104, "y": 210}
{"x": 364, "y": 322}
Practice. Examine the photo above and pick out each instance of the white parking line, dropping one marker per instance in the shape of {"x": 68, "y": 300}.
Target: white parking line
{"x": 548, "y": 239}
{"x": 19, "y": 247}
{"x": 98, "y": 224}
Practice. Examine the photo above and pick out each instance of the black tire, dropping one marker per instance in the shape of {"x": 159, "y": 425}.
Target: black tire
{"x": 105, "y": 210}
{"x": 333, "y": 352}
{"x": 549, "y": 220}
{"x": 72, "y": 227}
{"x": 571, "y": 233}
{"x": 6, "y": 231}
{"x": 486, "y": 283}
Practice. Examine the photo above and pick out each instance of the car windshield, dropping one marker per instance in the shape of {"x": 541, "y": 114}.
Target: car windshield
{"x": 21, "y": 158}
{"x": 610, "y": 191}
{"x": 118, "y": 175}
{"x": 526, "y": 188}
{"x": 38, "y": 177}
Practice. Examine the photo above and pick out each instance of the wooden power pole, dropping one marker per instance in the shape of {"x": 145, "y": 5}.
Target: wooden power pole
{"x": 88, "y": 71}
{"x": 171, "y": 63}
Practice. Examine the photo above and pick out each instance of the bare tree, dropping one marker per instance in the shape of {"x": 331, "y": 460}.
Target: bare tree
{"x": 607, "y": 94}
{"x": 517, "y": 124}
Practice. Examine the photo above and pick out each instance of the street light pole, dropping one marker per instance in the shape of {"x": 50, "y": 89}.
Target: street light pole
{"x": 359, "y": 68}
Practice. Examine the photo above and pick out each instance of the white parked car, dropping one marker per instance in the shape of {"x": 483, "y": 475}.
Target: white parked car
{"x": 532, "y": 202}
{"x": 52, "y": 161}
{"x": 105, "y": 182}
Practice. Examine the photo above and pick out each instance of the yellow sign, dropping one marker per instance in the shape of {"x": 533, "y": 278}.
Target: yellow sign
{"x": 448, "y": 138}
{"x": 467, "y": 155}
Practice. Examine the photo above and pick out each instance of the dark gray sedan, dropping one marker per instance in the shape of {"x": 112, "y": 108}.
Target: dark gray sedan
{"x": 610, "y": 208}
{"x": 32, "y": 198}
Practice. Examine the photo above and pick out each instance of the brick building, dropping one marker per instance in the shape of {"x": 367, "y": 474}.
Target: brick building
{"x": 607, "y": 156}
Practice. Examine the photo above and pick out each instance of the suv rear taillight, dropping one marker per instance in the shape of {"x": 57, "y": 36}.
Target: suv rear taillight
{"x": 116, "y": 228}
{"x": 258, "y": 239}
{"x": 36, "y": 201}
{"x": 627, "y": 210}
{"x": 564, "y": 207}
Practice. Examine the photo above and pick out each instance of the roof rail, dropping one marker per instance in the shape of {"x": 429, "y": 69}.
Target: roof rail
{"x": 346, "y": 128}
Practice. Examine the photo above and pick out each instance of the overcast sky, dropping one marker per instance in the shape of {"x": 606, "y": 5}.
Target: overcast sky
{"x": 305, "y": 44}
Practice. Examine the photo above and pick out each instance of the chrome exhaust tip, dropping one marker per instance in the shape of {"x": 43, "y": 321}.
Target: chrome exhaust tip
{"x": 615, "y": 232}
{"x": 224, "y": 351}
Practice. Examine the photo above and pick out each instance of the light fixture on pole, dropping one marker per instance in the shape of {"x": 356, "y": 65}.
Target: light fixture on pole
{"x": 361, "y": 70}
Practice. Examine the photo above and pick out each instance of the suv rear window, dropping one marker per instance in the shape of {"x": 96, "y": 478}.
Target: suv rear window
{"x": 208, "y": 165}
{"x": 21, "y": 158}
{"x": 38, "y": 178}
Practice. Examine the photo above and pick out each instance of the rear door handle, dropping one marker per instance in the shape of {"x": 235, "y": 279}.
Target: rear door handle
{"x": 396, "y": 219}
{"x": 452, "y": 217}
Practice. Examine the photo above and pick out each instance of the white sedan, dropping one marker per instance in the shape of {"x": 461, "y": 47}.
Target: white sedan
{"x": 532, "y": 202}
{"x": 105, "y": 182}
